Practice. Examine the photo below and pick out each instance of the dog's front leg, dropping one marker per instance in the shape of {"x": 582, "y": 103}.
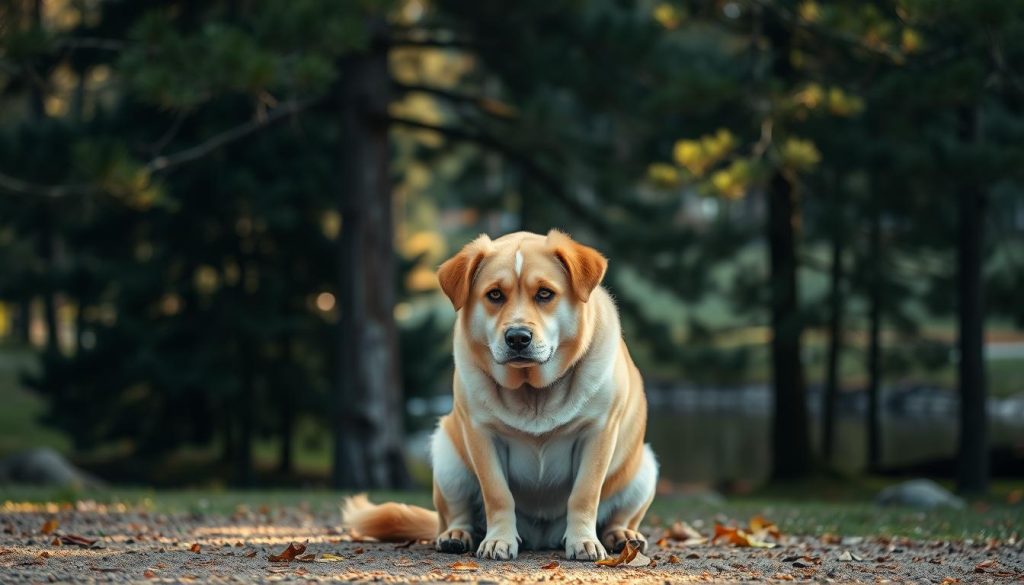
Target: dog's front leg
{"x": 502, "y": 538}
{"x": 581, "y": 540}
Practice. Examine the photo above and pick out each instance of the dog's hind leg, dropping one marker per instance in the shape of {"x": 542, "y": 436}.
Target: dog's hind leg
{"x": 456, "y": 495}
{"x": 620, "y": 515}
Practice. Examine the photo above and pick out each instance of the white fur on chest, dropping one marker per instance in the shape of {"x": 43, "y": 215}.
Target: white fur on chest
{"x": 540, "y": 473}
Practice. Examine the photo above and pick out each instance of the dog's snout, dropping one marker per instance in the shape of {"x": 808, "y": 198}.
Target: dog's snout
{"x": 518, "y": 338}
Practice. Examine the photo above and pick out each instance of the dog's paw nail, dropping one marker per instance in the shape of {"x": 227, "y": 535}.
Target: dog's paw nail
{"x": 586, "y": 549}
{"x": 498, "y": 549}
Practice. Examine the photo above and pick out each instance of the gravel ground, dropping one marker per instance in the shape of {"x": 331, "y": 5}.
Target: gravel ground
{"x": 133, "y": 545}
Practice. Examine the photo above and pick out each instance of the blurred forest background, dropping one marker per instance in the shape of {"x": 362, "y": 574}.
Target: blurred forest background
{"x": 220, "y": 221}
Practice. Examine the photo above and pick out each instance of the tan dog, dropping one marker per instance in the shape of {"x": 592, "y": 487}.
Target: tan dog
{"x": 545, "y": 442}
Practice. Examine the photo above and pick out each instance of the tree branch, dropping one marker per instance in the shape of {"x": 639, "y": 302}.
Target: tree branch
{"x": 488, "y": 106}
{"x": 101, "y": 44}
{"x": 163, "y": 163}
{"x": 547, "y": 180}
{"x": 458, "y": 44}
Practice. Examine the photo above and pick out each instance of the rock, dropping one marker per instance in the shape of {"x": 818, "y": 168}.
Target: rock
{"x": 919, "y": 493}
{"x": 44, "y": 466}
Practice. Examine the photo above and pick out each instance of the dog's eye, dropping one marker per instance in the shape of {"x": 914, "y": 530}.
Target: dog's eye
{"x": 495, "y": 296}
{"x": 544, "y": 295}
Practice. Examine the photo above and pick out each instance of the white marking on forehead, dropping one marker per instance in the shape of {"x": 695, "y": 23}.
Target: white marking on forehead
{"x": 519, "y": 262}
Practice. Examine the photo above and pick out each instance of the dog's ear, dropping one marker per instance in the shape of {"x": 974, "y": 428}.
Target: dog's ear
{"x": 456, "y": 274}
{"x": 585, "y": 265}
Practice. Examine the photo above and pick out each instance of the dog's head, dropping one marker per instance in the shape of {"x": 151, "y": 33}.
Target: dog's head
{"x": 522, "y": 299}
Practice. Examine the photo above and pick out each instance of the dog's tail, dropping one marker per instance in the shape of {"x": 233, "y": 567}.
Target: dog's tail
{"x": 390, "y": 521}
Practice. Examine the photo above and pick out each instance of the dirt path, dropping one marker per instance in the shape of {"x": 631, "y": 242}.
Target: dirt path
{"x": 137, "y": 546}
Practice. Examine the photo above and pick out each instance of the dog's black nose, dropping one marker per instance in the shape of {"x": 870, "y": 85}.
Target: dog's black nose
{"x": 518, "y": 338}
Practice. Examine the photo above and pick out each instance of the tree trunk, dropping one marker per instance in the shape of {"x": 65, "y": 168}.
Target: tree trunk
{"x": 973, "y": 468}
{"x": 23, "y": 325}
{"x": 874, "y": 345}
{"x": 791, "y": 452}
{"x": 246, "y": 415}
{"x": 49, "y": 261}
{"x": 835, "y": 345}
{"x": 368, "y": 450}
{"x": 284, "y": 465}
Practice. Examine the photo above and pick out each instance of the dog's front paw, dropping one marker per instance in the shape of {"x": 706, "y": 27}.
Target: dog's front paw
{"x": 454, "y": 541}
{"x": 615, "y": 539}
{"x": 585, "y": 548}
{"x": 499, "y": 546}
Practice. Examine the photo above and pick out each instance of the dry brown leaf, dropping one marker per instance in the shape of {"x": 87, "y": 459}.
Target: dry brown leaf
{"x": 761, "y": 527}
{"x": 196, "y": 548}
{"x": 550, "y": 566}
{"x": 737, "y": 537}
{"x": 684, "y": 534}
{"x": 359, "y": 551}
{"x": 673, "y": 559}
{"x": 464, "y": 566}
{"x": 250, "y": 554}
{"x": 628, "y": 553}
{"x": 986, "y": 566}
{"x": 149, "y": 574}
{"x": 77, "y": 540}
{"x": 49, "y": 526}
{"x": 1015, "y": 497}
{"x": 288, "y": 554}
{"x": 44, "y": 555}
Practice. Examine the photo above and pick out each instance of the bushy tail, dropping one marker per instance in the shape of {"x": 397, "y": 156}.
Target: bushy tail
{"x": 390, "y": 521}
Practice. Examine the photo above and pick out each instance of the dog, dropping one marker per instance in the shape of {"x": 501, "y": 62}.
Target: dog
{"x": 544, "y": 446}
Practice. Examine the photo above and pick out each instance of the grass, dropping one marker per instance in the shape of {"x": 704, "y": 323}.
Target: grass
{"x": 801, "y": 517}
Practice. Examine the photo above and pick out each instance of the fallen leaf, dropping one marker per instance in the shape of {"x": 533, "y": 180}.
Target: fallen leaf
{"x": 986, "y": 566}
{"x": 628, "y": 553}
{"x": 848, "y": 556}
{"x": 329, "y": 558}
{"x": 359, "y": 551}
{"x": 760, "y": 527}
{"x": 56, "y": 541}
{"x": 306, "y": 558}
{"x": 44, "y": 555}
{"x": 693, "y": 556}
{"x": 239, "y": 544}
{"x": 673, "y": 559}
{"x": 550, "y": 566}
{"x": 684, "y": 534}
{"x": 250, "y": 554}
{"x": 737, "y": 537}
{"x": 149, "y": 574}
{"x": 1015, "y": 497}
{"x": 49, "y": 526}
{"x": 196, "y": 548}
{"x": 77, "y": 540}
{"x": 950, "y": 581}
{"x": 288, "y": 554}
{"x": 464, "y": 566}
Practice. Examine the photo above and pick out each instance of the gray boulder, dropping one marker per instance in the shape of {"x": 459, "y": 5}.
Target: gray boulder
{"x": 919, "y": 493}
{"x": 45, "y": 467}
